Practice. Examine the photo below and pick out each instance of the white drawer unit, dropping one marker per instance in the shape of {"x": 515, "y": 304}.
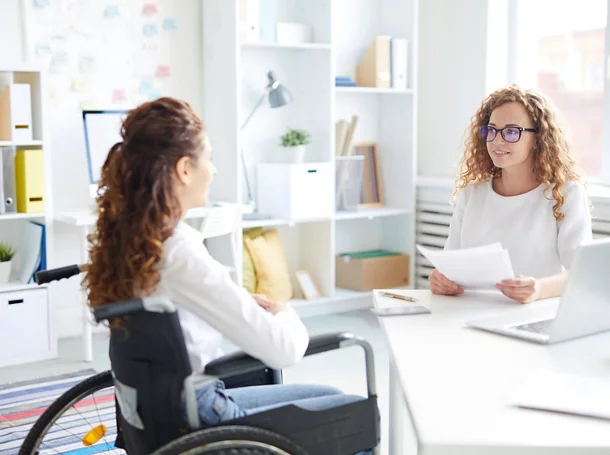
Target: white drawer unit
{"x": 296, "y": 191}
{"x": 25, "y": 334}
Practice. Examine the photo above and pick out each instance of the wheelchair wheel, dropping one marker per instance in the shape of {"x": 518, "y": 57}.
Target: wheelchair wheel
{"x": 232, "y": 440}
{"x": 82, "y": 418}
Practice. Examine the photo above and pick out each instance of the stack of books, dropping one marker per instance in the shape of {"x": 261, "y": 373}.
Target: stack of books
{"x": 345, "y": 81}
{"x": 344, "y": 135}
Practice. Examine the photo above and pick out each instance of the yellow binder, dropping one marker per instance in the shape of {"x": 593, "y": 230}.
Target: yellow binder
{"x": 29, "y": 179}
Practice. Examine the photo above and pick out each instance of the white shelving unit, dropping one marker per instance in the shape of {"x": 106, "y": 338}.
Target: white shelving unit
{"x": 234, "y": 77}
{"x": 26, "y": 317}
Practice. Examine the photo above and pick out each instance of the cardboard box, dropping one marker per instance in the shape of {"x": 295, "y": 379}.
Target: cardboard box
{"x": 365, "y": 272}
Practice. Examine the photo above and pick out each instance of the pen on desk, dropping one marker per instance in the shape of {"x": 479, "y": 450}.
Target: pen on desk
{"x": 398, "y": 296}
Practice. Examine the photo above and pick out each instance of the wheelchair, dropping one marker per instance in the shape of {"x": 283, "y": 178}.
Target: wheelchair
{"x": 154, "y": 406}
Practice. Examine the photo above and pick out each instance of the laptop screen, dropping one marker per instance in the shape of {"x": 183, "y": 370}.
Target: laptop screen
{"x": 102, "y": 131}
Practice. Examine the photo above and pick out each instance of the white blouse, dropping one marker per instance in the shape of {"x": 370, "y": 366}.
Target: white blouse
{"x": 537, "y": 243}
{"x": 210, "y": 305}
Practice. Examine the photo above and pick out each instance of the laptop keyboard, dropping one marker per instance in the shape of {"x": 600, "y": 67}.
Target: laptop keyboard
{"x": 543, "y": 326}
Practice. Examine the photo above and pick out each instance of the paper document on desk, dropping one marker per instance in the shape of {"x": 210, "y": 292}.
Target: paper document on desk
{"x": 472, "y": 268}
{"x": 564, "y": 393}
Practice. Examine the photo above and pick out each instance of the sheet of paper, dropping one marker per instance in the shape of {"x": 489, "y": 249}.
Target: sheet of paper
{"x": 570, "y": 394}
{"x": 472, "y": 268}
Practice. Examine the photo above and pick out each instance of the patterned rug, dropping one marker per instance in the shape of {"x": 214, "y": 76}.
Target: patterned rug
{"x": 21, "y": 404}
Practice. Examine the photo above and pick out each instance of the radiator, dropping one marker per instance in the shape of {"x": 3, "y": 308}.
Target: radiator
{"x": 433, "y": 216}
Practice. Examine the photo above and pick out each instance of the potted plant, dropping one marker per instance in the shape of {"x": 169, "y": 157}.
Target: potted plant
{"x": 7, "y": 253}
{"x": 295, "y": 141}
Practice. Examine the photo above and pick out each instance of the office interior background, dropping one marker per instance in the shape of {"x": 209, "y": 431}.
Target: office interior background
{"x": 402, "y": 136}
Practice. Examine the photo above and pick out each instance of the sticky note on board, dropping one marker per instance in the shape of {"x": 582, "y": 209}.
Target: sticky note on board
{"x": 43, "y": 48}
{"x": 163, "y": 71}
{"x": 42, "y": 3}
{"x": 86, "y": 63}
{"x": 149, "y": 9}
{"x": 60, "y": 58}
{"x": 150, "y": 30}
{"x": 154, "y": 94}
{"x": 79, "y": 84}
{"x": 146, "y": 86}
{"x": 112, "y": 11}
{"x": 119, "y": 96}
{"x": 170, "y": 24}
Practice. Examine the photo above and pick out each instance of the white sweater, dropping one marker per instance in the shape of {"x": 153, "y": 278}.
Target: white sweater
{"x": 211, "y": 305}
{"x": 538, "y": 245}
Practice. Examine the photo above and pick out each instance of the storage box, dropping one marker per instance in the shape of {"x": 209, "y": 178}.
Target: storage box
{"x": 372, "y": 270}
{"x": 25, "y": 332}
{"x": 294, "y": 33}
{"x": 296, "y": 191}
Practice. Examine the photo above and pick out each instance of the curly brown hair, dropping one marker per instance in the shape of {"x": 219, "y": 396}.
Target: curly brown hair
{"x": 136, "y": 201}
{"x": 554, "y": 164}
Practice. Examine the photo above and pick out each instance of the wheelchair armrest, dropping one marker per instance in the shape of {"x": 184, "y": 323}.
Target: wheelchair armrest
{"x": 240, "y": 362}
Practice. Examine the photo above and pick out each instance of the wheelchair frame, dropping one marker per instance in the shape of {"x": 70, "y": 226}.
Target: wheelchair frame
{"x": 290, "y": 425}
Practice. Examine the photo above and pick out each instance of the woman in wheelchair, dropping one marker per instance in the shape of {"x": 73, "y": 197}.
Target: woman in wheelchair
{"x": 142, "y": 247}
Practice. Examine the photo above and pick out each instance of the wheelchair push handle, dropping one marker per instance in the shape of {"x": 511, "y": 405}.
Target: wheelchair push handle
{"x": 46, "y": 276}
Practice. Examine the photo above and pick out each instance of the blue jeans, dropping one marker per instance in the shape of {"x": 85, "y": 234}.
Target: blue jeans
{"x": 217, "y": 404}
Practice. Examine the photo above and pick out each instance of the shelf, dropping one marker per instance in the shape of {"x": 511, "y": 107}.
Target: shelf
{"x": 295, "y": 46}
{"x": 248, "y": 224}
{"x": 22, "y": 216}
{"x": 374, "y": 90}
{"x": 369, "y": 213}
{"x": 21, "y": 144}
{"x": 15, "y": 286}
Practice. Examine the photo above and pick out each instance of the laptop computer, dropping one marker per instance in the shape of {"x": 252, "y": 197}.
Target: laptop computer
{"x": 584, "y": 307}
{"x": 102, "y": 131}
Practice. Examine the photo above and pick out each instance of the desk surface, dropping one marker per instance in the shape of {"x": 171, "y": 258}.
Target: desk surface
{"x": 457, "y": 380}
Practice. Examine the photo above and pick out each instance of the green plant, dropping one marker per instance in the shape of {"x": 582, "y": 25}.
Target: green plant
{"x": 6, "y": 252}
{"x": 292, "y": 138}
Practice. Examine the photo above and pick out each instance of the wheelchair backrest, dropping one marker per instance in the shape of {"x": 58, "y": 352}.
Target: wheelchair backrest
{"x": 149, "y": 362}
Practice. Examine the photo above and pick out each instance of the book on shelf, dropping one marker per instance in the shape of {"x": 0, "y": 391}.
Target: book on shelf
{"x": 345, "y": 81}
{"x": 344, "y": 135}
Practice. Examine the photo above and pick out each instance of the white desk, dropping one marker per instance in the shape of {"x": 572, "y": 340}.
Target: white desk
{"x": 83, "y": 221}
{"x": 453, "y": 382}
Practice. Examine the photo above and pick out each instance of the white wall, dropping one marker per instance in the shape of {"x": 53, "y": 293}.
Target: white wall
{"x": 10, "y": 31}
{"x": 452, "y": 79}
{"x": 70, "y": 181}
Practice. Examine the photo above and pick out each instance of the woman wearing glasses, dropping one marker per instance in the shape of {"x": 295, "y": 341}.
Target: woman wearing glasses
{"x": 519, "y": 186}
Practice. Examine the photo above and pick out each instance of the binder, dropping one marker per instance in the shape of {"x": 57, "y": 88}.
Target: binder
{"x": 16, "y": 113}
{"x": 9, "y": 188}
{"x": 399, "y": 63}
{"x": 374, "y": 68}
{"x": 29, "y": 177}
{"x": 2, "y": 209}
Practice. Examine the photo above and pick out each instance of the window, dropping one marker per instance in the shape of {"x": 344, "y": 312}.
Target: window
{"x": 560, "y": 49}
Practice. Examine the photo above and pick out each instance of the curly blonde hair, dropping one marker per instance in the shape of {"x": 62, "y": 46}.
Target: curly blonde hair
{"x": 554, "y": 164}
{"x": 136, "y": 202}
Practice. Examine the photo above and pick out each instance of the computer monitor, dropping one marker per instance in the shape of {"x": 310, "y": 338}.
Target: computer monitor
{"x": 102, "y": 131}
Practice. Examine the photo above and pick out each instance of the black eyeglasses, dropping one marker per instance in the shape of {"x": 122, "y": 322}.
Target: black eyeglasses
{"x": 509, "y": 133}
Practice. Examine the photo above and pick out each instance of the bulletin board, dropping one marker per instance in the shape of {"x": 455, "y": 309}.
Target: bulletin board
{"x": 100, "y": 54}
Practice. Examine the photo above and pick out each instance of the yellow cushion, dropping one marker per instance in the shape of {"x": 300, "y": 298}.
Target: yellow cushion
{"x": 272, "y": 277}
{"x": 249, "y": 274}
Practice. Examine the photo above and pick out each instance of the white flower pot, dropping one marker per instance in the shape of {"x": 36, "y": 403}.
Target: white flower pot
{"x": 5, "y": 272}
{"x": 295, "y": 154}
